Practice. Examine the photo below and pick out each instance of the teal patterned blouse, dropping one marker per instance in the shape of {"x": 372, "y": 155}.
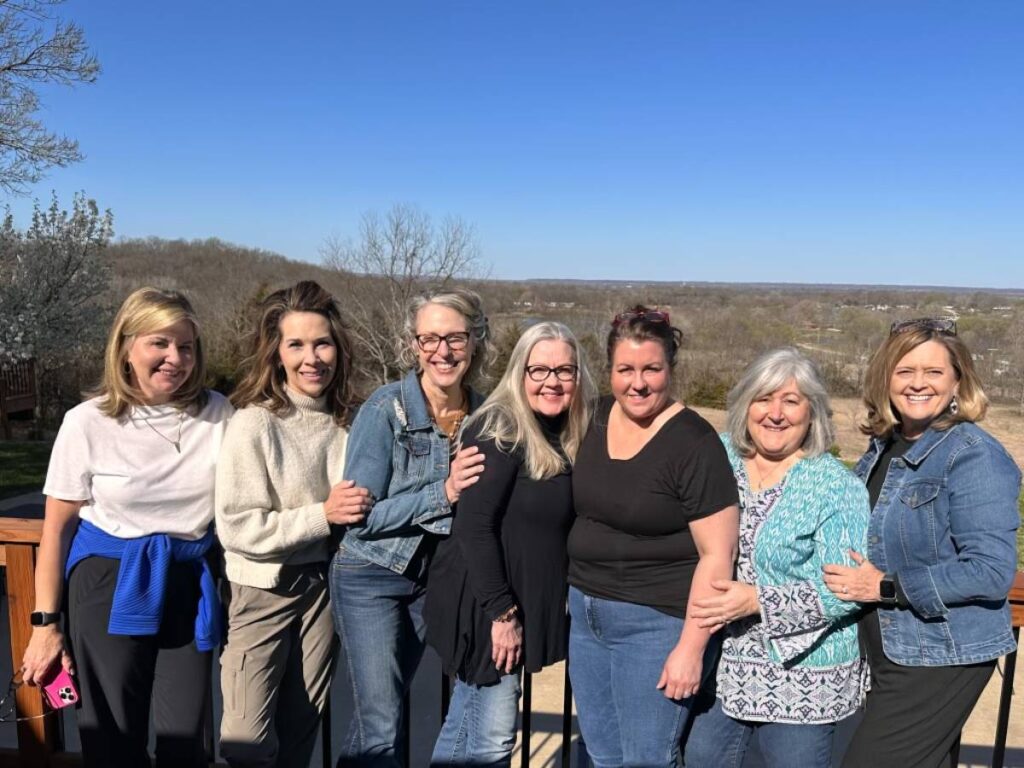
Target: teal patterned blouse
{"x": 799, "y": 660}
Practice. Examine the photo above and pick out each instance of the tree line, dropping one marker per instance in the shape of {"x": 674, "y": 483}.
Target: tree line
{"x": 62, "y": 278}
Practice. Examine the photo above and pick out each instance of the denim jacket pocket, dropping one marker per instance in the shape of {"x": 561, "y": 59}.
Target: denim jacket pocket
{"x": 919, "y": 525}
{"x": 412, "y": 452}
{"x": 918, "y": 494}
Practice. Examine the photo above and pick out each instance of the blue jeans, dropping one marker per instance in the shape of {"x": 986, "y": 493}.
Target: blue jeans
{"x": 379, "y": 615}
{"x": 616, "y": 653}
{"x": 718, "y": 741}
{"x": 480, "y": 728}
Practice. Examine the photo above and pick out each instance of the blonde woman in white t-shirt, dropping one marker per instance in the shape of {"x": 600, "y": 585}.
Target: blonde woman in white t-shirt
{"x": 129, "y": 506}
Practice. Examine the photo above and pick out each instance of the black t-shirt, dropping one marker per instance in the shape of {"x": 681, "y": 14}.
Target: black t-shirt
{"x": 631, "y": 540}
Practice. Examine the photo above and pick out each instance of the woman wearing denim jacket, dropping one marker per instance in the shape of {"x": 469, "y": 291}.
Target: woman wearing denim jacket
{"x": 790, "y": 666}
{"x": 941, "y": 552}
{"x": 400, "y": 448}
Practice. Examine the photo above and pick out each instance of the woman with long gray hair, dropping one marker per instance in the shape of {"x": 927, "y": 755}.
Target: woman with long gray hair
{"x": 496, "y": 593}
{"x": 790, "y": 666}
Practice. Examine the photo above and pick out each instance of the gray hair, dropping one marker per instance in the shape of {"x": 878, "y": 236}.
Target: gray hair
{"x": 507, "y": 418}
{"x": 467, "y": 303}
{"x": 765, "y": 375}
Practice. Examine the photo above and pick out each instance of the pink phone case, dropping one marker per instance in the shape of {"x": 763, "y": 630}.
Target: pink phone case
{"x": 61, "y": 690}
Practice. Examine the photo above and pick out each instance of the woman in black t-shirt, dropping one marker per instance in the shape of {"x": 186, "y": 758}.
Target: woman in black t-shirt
{"x": 496, "y": 590}
{"x": 656, "y": 522}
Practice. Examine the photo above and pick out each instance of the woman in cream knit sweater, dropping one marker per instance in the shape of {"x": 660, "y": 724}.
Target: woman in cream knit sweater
{"x": 279, "y": 489}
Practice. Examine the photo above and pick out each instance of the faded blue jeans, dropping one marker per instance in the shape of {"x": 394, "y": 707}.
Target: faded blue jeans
{"x": 480, "y": 729}
{"x": 719, "y": 741}
{"x": 616, "y": 653}
{"x": 379, "y": 615}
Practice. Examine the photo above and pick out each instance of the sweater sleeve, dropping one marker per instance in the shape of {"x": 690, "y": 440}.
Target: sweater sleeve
{"x": 247, "y": 522}
{"x": 477, "y": 528}
{"x": 797, "y": 614}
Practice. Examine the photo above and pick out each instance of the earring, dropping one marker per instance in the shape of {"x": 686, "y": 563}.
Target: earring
{"x": 954, "y": 406}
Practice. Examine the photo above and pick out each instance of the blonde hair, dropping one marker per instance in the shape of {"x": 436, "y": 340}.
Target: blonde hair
{"x": 261, "y": 378}
{"x": 147, "y": 310}
{"x": 467, "y": 303}
{"x": 882, "y": 418}
{"x": 506, "y": 416}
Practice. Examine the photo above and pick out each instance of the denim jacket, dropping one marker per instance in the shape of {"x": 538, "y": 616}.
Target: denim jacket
{"x": 397, "y": 452}
{"x": 944, "y": 523}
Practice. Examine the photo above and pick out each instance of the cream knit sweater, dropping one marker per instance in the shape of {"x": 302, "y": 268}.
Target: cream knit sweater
{"x": 273, "y": 476}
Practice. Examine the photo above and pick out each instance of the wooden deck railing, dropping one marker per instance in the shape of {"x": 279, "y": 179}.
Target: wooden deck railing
{"x": 40, "y": 742}
{"x": 17, "y": 392}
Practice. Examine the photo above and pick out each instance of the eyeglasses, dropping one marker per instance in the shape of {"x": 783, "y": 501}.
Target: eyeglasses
{"x": 540, "y": 373}
{"x": 946, "y": 325}
{"x": 8, "y": 706}
{"x": 429, "y": 342}
{"x": 650, "y": 315}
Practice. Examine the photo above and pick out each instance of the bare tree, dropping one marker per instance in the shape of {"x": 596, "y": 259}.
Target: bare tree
{"x": 396, "y": 256}
{"x": 35, "y": 50}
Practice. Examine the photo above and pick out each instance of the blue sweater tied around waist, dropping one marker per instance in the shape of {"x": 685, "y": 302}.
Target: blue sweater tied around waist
{"x": 142, "y": 580}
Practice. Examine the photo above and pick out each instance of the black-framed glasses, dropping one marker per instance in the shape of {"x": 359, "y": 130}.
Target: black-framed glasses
{"x": 429, "y": 342}
{"x": 540, "y": 373}
{"x": 946, "y": 325}
{"x": 650, "y": 315}
{"x": 8, "y": 705}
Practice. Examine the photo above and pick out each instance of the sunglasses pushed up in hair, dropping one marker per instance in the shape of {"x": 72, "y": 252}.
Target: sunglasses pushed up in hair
{"x": 650, "y": 315}
{"x": 945, "y": 325}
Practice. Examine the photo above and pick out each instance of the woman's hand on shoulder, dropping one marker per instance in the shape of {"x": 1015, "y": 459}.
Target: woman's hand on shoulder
{"x": 45, "y": 648}
{"x": 464, "y": 471}
{"x": 681, "y": 675}
{"x": 506, "y": 644}
{"x": 347, "y": 504}
{"x": 733, "y": 600}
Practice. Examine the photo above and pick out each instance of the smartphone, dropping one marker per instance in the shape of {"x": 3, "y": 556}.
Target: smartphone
{"x": 60, "y": 691}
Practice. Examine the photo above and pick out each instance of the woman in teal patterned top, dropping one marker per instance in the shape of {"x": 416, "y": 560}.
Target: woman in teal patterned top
{"x": 791, "y": 666}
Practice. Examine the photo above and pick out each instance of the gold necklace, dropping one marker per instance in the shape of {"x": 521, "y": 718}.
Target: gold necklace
{"x": 450, "y": 422}
{"x": 762, "y": 479}
{"x": 177, "y": 441}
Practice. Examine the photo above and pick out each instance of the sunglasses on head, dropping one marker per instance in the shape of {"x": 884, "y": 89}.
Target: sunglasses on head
{"x": 650, "y": 315}
{"x": 946, "y": 325}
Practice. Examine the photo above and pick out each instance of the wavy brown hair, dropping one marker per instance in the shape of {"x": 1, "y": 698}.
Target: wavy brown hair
{"x": 261, "y": 378}
{"x": 882, "y": 418}
{"x": 147, "y": 310}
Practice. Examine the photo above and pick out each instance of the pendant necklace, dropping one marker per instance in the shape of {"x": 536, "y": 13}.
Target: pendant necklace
{"x": 177, "y": 441}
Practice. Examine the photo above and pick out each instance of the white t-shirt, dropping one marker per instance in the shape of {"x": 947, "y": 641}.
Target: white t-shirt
{"x": 129, "y": 474}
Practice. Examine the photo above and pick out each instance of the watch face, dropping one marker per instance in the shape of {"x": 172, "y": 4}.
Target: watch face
{"x": 887, "y": 589}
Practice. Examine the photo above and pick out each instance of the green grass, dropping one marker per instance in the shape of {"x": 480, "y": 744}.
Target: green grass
{"x": 22, "y": 466}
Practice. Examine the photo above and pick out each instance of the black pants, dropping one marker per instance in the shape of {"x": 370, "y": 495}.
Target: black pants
{"x": 914, "y": 714}
{"x": 119, "y": 675}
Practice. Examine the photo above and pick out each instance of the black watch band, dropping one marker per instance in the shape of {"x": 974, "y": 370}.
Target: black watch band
{"x": 887, "y": 590}
{"x": 43, "y": 618}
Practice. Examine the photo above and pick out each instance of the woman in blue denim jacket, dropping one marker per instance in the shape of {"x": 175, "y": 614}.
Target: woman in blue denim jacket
{"x": 400, "y": 448}
{"x": 941, "y": 548}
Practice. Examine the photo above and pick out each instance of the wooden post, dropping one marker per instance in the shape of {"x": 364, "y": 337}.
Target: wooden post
{"x": 37, "y": 737}
{"x": 1009, "y": 669}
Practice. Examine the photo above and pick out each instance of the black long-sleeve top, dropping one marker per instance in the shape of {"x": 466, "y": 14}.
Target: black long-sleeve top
{"x": 507, "y": 547}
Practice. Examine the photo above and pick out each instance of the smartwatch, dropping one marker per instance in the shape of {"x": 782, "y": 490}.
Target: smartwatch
{"x": 43, "y": 618}
{"x": 887, "y": 590}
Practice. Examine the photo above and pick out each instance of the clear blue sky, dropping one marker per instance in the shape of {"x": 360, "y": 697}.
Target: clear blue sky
{"x": 865, "y": 141}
